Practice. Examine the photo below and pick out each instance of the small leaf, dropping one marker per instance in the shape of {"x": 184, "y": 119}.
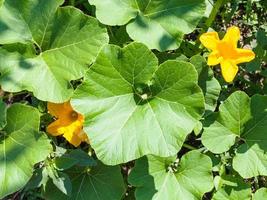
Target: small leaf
{"x": 83, "y": 158}
{"x": 39, "y": 178}
{"x": 244, "y": 119}
{"x": 60, "y": 180}
{"x": 233, "y": 188}
{"x": 198, "y": 128}
{"x": 208, "y": 83}
{"x": 162, "y": 178}
{"x": 75, "y": 157}
{"x": 233, "y": 114}
{"x": 65, "y": 162}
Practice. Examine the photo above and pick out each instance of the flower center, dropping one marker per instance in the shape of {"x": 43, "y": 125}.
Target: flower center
{"x": 74, "y": 115}
{"x": 226, "y": 50}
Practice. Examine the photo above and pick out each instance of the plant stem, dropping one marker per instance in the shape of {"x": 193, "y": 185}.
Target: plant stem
{"x": 189, "y": 146}
{"x": 213, "y": 14}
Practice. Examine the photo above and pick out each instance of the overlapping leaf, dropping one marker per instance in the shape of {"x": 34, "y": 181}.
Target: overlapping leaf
{"x": 100, "y": 182}
{"x": 21, "y": 147}
{"x": 260, "y": 194}
{"x": 209, "y": 85}
{"x": 244, "y": 119}
{"x": 132, "y": 107}
{"x": 156, "y": 178}
{"x": 67, "y": 41}
{"x": 232, "y": 188}
{"x": 75, "y": 157}
{"x": 160, "y": 24}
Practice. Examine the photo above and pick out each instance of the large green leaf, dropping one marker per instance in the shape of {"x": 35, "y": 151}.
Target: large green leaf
{"x": 158, "y": 178}
{"x": 20, "y": 148}
{"x": 260, "y": 194}
{"x": 132, "y": 107}
{"x": 244, "y": 119}
{"x": 66, "y": 39}
{"x": 101, "y": 182}
{"x": 160, "y": 24}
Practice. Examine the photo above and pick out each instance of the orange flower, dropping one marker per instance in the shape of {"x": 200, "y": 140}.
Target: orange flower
{"x": 69, "y": 123}
{"x": 225, "y": 52}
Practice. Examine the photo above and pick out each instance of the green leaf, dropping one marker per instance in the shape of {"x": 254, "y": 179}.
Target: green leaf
{"x": 261, "y": 36}
{"x": 101, "y": 182}
{"x": 67, "y": 41}
{"x": 65, "y": 162}
{"x": 158, "y": 24}
{"x": 39, "y": 178}
{"x": 260, "y": 194}
{"x": 158, "y": 178}
{"x": 20, "y": 148}
{"x": 26, "y": 50}
{"x": 60, "y": 180}
{"x": 208, "y": 83}
{"x": 75, "y": 157}
{"x": 132, "y": 107}
{"x": 244, "y": 119}
{"x": 233, "y": 188}
{"x": 118, "y": 35}
{"x": 163, "y": 56}
{"x": 251, "y": 158}
{"x": 233, "y": 114}
{"x": 198, "y": 128}
{"x": 3, "y": 109}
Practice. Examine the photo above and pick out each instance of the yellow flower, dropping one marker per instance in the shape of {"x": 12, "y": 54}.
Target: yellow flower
{"x": 69, "y": 123}
{"x": 225, "y": 52}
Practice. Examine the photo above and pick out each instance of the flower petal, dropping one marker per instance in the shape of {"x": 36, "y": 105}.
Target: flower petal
{"x": 244, "y": 55}
{"x": 59, "y": 109}
{"x": 229, "y": 70}
{"x": 72, "y": 131}
{"x": 232, "y": 36}
{"x": 214, "y": 58}
{"x": 210, "y": 40}
{"x": 74, "y": 139}
{"x": 54, "y": 128}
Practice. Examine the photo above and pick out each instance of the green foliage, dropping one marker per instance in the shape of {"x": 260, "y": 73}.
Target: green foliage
{"x": 20, "y": 141}
{"x": 161, "y": 123}
{"x": 133, "y": 111}
{"x": 232, "y": 188}
{"x": 243, "y": 118}
{"x": 168, "y": 178}
{"x": 65, "y": 39}
{"x": 99, "y": 182}
{"x": 209, "y": 85}
{"x": 158, "y": 24}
